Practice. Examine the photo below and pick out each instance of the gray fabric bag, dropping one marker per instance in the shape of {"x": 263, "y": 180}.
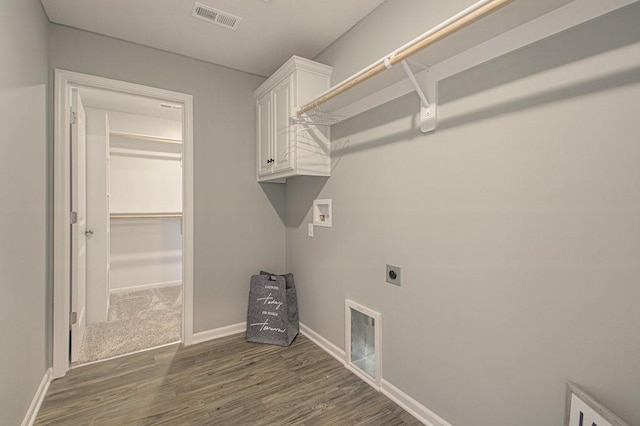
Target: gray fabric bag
{"x": 272, "y": 315}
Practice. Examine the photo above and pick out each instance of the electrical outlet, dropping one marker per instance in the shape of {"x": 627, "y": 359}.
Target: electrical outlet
{"x": 393, "y": 275}
{"x": 310, "y": 230}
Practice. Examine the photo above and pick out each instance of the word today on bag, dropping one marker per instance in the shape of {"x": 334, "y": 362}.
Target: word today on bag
{"x": 270, "y": 300}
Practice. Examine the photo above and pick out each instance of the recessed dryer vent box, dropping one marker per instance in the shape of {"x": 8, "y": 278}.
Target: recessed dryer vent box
{"x": 363, "y": 333}
{"x": 322, "y": 214}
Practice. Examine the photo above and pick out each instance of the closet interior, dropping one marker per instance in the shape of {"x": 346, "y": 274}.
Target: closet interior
{"x": 134, "y": 214}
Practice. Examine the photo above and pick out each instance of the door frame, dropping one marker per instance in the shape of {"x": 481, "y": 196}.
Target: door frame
{"x": 64, "y": 80}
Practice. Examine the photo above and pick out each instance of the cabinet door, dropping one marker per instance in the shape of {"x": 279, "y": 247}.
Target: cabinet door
{"x": 264, "y": 135}
{"x": 282, "y": 146}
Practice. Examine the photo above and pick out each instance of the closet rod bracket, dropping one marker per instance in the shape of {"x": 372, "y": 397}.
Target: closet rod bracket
{"x": 427, "y": 94}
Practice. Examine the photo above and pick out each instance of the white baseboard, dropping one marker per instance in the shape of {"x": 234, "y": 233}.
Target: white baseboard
{"x": 32, "y": 412}
{"x": 363, "y": 376}
{"x": 144, "y": 287}
{"x": 217, "y": 333}
{"x": 328, "y": 347}
{"x": 410, "y": 405}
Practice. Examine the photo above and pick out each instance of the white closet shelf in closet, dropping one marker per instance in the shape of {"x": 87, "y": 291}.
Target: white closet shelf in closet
{"x": 167, "y": 215}
{"x": 141, "y": 153}
{"x": 146, "y": 256}
{"x": 148, "y": 138}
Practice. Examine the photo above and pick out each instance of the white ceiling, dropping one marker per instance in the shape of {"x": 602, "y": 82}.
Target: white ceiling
{"x": 269, "y": 34}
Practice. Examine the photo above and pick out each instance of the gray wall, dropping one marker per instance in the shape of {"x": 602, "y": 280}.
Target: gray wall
{"x": 23, "y": 125}
{"x": 238, "y": 229}
{"x": 516, "y": 224}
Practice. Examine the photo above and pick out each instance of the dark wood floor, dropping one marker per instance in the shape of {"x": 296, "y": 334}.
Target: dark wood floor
{"x": 223, "y": 382}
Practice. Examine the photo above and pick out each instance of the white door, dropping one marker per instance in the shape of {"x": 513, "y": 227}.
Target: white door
{"x": 282, "y": 134}
{"x": 97, "y": 214}
{"x": 78, "y": 226}
{"x": 264, "y": 135}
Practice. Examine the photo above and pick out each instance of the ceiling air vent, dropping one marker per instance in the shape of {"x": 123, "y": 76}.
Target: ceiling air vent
{"x": 215, "y": 16}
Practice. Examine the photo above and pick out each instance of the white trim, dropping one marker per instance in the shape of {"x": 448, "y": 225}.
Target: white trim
{"x": 187, "y": 221}
{"x": 61, "y": 261}
{"x": 218, "y": 333}
{"x": 362, "y": 375}
{"x": 144, "y": 287}
{"x": 36, "y": 402}
{"x": 411, "y": 406}
{"x": 323, "y": 343}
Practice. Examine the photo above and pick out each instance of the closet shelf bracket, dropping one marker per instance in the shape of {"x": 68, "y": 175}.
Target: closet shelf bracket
{"x": 426, "y": 92}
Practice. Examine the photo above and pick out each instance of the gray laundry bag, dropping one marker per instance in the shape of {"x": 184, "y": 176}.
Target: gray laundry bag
{"x": 272, "y": 315}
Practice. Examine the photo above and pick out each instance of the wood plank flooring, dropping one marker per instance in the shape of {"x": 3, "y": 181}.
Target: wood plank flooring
{"x": 223, "y": 382}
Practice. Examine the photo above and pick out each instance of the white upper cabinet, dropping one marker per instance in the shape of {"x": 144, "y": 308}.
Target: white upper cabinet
{"x": 285, "y": 149}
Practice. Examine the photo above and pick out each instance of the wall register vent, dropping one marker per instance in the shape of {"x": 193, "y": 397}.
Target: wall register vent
{"x": 215, "y": 16}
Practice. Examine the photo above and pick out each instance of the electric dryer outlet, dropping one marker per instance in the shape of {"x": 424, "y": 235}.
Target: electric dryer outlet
{"x": 393, "y": 275}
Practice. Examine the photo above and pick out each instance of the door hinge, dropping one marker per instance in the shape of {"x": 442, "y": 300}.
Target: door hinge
{"x": 74, "y": 117}
{"x": 74, "y": 218}
{"x": 73, "y": 318}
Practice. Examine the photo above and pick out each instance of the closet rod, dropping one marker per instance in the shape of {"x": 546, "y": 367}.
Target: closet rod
{"x": 448, "y": 27}
{"x": 145, "y": 215}
{"x": 145, "y": 138}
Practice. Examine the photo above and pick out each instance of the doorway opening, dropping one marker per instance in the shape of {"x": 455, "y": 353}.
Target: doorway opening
{"x": 123, "y": 258}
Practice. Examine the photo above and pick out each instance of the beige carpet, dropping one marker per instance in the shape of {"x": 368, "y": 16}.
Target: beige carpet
{"x": 136, "y": 320}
